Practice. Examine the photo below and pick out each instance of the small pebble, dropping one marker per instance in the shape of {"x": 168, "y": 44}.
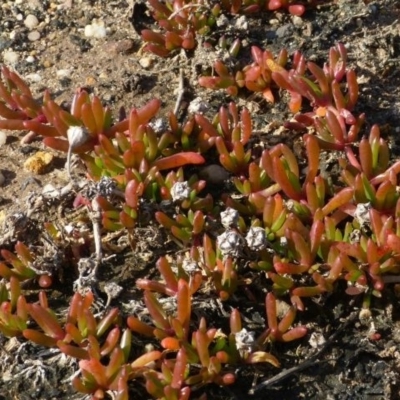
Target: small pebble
{"x": 90, "y": 81}
{"x": 2, "y": 179}
{"x": 47, "y": 63}
{"x": 10, "y": 57}
{"x": 297, "y": 21}
{"x": 95, "y": 30}
{"x": 214, "y": 174}
{"x": 31, "y": 21}
{"x": 33, "y": 36}
{"x": 30, "y": 59}
{"x": 146, "y": 62}
{"x": 33, "y": 77}
{"x": 63, "y": 73}
{"x": 120, "y": 46}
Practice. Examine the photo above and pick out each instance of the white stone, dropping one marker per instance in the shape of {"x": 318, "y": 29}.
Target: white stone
{"x": 33, "y": 77}
{"x": 96, "y": 30}
{"x": 33, "y": 36}
{"x": 63, "y": 73}
{"x": 31, "y": 21}
{"x": 10, "y": 57}
{"x": 146, "y": 62}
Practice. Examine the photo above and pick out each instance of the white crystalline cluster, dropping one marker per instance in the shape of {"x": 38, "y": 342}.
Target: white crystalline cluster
{"x": 256, "y": 239}
{"x": 229, "y": 217}
{"x": 230, "y": 243}
{"x": 180, "y": 191}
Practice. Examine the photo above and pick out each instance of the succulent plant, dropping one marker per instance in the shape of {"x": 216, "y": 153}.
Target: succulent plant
{"x": 279, "y": 216}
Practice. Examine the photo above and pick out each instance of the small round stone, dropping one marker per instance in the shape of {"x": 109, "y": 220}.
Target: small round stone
{"x": 33, "y": 77}
{"x": 146, "y": 62}
{"x": 31, "y": 21}
{"x": 214, "y": 174}
{"x": 63, "y": 73}
{"x": 10, "y": 57}
{"x": 47, "y": 63}
{"x": 33, "y": 36}
{"x": 96, "y": 30}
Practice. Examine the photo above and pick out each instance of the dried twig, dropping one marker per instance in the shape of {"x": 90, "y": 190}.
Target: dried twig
{"x": 181, "y": 91}
{"x": 95, "y": 216}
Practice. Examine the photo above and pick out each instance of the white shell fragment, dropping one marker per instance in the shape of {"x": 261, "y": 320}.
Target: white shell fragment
{"x": 230, "y": 243}
{"x": 229, "y": 217}
{"x": 180, "y": 191}
{"x": 256, "y": 239}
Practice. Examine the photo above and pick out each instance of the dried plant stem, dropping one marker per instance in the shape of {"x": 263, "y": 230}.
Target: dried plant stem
{"x": 95, "y": 216}
{"x": 181, "y": 92}
{"x": 68, "y": 165}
